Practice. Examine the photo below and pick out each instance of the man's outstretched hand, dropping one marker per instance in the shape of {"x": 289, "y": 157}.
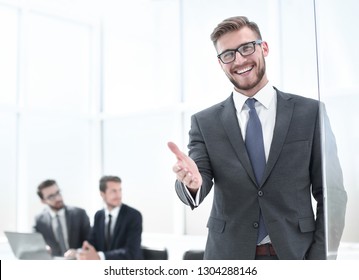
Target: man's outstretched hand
{"x": 186, "y": 169}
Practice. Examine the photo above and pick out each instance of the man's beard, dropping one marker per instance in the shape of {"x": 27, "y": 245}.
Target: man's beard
{"x": 57, "y": 207}
{"x": 249, "y": 86}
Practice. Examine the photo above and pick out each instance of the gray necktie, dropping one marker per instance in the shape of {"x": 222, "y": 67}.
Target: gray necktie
{"x": 60, "y": 235}
{"x": 255, "y": 148}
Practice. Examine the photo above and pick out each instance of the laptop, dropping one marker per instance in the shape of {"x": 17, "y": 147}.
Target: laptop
{"x": 28, "y": 246}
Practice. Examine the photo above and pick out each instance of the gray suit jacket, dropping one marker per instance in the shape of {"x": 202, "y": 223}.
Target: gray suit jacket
{"x": 78, "y": 228}
{"x": 293, "y": 172}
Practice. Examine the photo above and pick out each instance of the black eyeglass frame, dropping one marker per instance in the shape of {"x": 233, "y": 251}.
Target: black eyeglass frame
{"x": 239, "y": 50}
{"x": 52, "y": 197}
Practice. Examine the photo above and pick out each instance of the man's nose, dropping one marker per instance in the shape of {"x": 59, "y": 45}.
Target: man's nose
{"x": 239, "y": 59}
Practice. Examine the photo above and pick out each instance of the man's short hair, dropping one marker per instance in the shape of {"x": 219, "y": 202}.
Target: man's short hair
{"x": 233, "y": 24}
{"x": 45, "y": 184}
{"x": 105, "y": 179}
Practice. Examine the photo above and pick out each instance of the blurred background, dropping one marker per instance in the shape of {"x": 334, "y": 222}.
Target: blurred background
{"x": 94, "y": 87}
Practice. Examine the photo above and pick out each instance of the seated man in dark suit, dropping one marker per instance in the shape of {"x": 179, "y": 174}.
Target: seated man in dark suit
{"x": 117, "y": 229}
{"x": 63, "y": 227}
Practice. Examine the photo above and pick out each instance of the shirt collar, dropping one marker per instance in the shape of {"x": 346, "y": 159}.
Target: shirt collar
{"x": 114, "y": 212}
{"x": 264, "y": 96}
{"x": 53, "y": 214}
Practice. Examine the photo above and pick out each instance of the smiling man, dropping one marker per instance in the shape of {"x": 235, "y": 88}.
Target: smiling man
{"x": 260, "y": 149}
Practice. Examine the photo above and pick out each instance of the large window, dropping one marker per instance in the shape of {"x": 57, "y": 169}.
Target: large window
{"x": 8, "y": 116}
{"x": 47, "y": 123}
{"x": 339, "y": 86}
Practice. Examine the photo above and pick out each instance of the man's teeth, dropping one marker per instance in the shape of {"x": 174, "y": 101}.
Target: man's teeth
{"x": 244, "y": 70}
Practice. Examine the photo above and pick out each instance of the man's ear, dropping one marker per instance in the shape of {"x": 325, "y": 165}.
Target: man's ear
{"x": 265, "y": 48}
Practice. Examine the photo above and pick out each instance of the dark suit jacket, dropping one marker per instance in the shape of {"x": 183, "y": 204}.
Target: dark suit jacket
{"x": 126, "y": 240}
{"x": 293, "y": 172}
{"x": 78, "y": 228}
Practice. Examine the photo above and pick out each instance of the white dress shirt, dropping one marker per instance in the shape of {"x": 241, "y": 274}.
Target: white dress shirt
{"x": 266, "y": 108}
{"x": 114, "y": 213}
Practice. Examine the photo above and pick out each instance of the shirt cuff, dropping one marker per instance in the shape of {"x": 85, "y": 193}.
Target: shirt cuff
{"x": 195, "y": 201}
{"x": 101, "y": 255}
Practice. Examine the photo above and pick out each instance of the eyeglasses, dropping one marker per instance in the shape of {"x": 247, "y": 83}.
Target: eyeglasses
{"x": 246, "y": 49}
{"x": 52, "y": 197}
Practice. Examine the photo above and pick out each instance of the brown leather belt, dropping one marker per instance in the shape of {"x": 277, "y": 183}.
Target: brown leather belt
{"x": 265, "y": 250}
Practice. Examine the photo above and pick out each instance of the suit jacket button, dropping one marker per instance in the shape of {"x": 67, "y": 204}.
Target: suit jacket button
{"x": 260, "y": 193}
{"x": 255, "y": 225}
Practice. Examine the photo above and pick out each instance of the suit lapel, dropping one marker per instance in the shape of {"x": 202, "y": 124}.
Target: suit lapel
{"x": 101, "y": 228}
{"x": 119, "y": 222}
{"x": 68, "y": 225}
{"x": 284, "y": 115}
{"x": 283, "y": 118}
{"x": 230, "y": 123}
{"x": 48, "y": 221}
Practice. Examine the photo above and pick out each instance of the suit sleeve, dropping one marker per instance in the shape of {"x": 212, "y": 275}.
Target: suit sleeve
{"x": 317, "y": 250}
{"x": 198, "y": 152}
{"x": 327, "y": 180}
{"x": 85, "y": 226}
{"x": 93, "y": 236}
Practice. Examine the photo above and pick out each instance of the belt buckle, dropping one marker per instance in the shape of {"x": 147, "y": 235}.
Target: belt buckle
{"x": 265, "y": 250}
{"x": 268, "y": 248}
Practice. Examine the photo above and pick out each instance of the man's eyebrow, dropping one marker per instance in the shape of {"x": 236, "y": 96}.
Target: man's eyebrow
{"x": 236, "y": 47}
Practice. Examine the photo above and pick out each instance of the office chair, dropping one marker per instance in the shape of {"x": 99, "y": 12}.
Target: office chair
{"x": 193, "y": 255}
{"x": 154, "y": 253}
